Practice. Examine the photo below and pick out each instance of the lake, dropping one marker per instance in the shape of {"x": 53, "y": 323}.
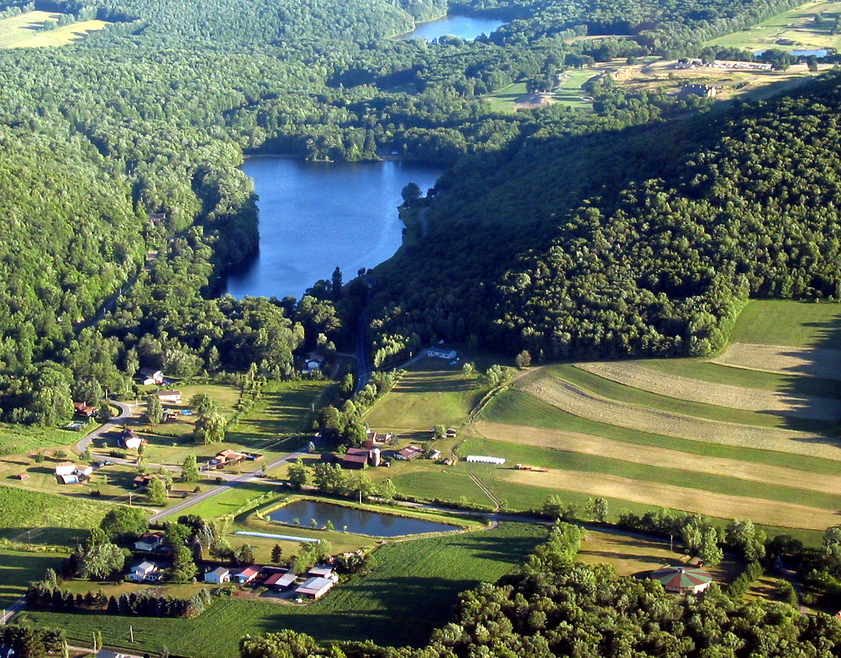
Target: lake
{"x": 464, "y": 27}
{"x": 358, "y": 521}
{"x": 315, "y": 216}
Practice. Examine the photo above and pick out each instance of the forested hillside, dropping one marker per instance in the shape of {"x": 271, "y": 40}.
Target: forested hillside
{"x": 629, "y": 243}
{"x": 154, "y": 113}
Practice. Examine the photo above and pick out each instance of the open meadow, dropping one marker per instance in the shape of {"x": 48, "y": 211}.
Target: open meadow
{"x": 810, "y": 26}
{"x": 412, "y": 590}
{"x": 751, "y": 432}
{"x": 26, "y": 30}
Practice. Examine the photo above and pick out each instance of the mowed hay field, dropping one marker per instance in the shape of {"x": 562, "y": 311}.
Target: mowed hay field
{"x": 751, "y": 433}
{"x": 25, "y": 30}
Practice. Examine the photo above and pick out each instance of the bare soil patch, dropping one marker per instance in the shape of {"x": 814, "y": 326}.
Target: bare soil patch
{"x": 636, "y": 375}
{"x": 654, "y": 456}
{"x": 689, "y": 500}
{"x": 593, "y": 407}
{"x": 822, "y": 363}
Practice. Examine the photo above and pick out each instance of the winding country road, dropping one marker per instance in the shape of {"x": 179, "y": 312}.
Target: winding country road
{"x": 126, "y": 411}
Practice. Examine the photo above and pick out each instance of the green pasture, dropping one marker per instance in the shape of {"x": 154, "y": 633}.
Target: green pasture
{"x": 503, "y": 99}
{"x": 15, "y": 439}
{"x": 615, "y": 391}
{"x": 412, "y": 590}
{"x": 431, "y": 393}
{"x": 49, "y": 519}
{"x": 796, "y": 25}
{"x": 515, "y": 407}
{"x": 19, "y": 568}
{"x": 785, "y": 322}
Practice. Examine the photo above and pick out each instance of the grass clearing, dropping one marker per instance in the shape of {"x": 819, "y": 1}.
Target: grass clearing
{"x": 412, "y": 590}
{"x": 26, "y": 30}
{"x": 523, "y": 444}
{"x": 19, "y": 568}
{"x": 503, "y": 100}
{"x": 431, "y": 393}
{"x": 16, "y": 439}
{"x": 571, "y": 93}
{"x": 606, "y": 388}
{"x": 515, "y": 407}
{"x": 719, "y": 373}
{"x": 49, "y": 519}
{"x": 793, "y": 29}
{"x": 783, "y": 360}
{"x": 653, "y": 420}
{"x": 785, "y": 322}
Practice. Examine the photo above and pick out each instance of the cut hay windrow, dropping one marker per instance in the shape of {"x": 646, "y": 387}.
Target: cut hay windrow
{"x": 586, "y": 404}
{"x": 654, "y": 456}
{"x": 636, "y": 375}
{"x": 822, "y": 363}
{"x": 689, "y": 500}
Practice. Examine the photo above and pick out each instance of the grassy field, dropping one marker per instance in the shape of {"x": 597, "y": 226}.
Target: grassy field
{"x": 412, "y": 590}
{"x": 431, "y": 393}
{"x": 713, "y": 436}
{"x": 24, "y": 31}
{"x": 570, "y": 92}
{"x": 790, "y": 30}
{"x": 15, "y": 439}
{"x": 45, "y": 518}
{"x": 19, "y": 568}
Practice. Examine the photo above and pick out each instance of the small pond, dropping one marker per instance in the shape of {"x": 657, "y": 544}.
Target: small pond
{"x": 464, "y": 27}
{"x": 817, "y": 52}
{"x": 358, "y": 521}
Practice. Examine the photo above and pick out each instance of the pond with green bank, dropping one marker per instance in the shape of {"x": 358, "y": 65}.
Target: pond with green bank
{"x": 354, "y": 520}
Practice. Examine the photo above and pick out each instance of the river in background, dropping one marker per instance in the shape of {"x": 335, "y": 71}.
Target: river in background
{"x": 464, "y": 27}
{"x": 315, "y": 216}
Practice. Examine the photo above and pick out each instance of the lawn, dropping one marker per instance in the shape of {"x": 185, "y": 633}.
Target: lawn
{"x": 43, "y": 518}
{"x": 783, "y": 322}
{"x": 412, "y": 590}
{"x": 19, "y": 568}
{"x": 503, "y": 99}
{"x": 796, "y": 25}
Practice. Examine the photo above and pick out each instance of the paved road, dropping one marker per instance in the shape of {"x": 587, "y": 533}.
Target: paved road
{"x": 125, "y": 412}
{"x": 12, "y": 610}
{"x": 251, "y": 476}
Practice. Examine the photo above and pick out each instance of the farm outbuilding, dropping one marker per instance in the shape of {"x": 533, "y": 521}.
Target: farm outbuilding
{"x": 218, "y": 575}
{"x": 682, "y": 580}
{"x": 315, "y": 588}
{"x": 281, "y": 581}
{"x": 172, "y": 397}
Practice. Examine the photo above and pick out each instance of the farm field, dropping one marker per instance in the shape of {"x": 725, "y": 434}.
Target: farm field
{"x": 791, "y": 30}
{"x": 568, "y": 92}
{"x": 47, "y": 518}
{"x": 413, "y": 589}
{"x": 712, "y": 436}
{"x": 24, "y": 31}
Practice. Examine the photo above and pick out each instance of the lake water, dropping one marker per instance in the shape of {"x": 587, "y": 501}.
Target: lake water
{"x": 374, "y": 524}
{"x": 817, "y": 52}
{"x": 464, "y": 27}
{"x": 315, "y": 216}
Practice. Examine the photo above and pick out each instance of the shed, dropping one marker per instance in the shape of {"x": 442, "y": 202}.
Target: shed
{"x": 681, "y": 580}
{"x": 218, "y": 575}
{"x": 355, "y": 458}
{"x": 315, "y": 588}
{"x": 409, "y": 454}
{"x": 68, "y": 479}
{"x": 322, "y": 572}
{"x": 65, "y": 468}
{"x": 281, "y": 580}
{"x": 246, "y": 575}
{"x": 22, "y": 476}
